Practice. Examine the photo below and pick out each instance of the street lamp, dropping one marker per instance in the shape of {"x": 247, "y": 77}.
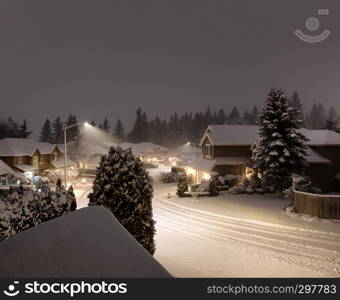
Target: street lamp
{"x": 65, "y": 148}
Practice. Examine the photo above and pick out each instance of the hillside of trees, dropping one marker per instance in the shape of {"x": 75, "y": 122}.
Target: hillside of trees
{"x": 174, "y": 131}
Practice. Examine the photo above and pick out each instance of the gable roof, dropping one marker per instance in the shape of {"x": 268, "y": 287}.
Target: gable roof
{"x": 231, "y": 134}
{"x": 24, "y": 147}
{"x": 246, "y": 135}
{"x": 5, "y": 169}
{"x": 17, "y": 147}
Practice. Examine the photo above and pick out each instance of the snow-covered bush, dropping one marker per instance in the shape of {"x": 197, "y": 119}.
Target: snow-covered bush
{"x": 214, "y": 188}
{"x": 169, "y": 177}
{"x": 22, "y": 209}
{"x": 237, "y": 189}
{"x": 182, "y": 185}
{"x": 304, "y": 184}
{"x": 123, "y": 186}
{"x": 254, "y": 182}
{"x": 228, "y": 181}
{"x": 148, "y": 165}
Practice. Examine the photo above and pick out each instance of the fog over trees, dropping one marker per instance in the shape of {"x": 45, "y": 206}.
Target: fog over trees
{"x": 178, "y": 129}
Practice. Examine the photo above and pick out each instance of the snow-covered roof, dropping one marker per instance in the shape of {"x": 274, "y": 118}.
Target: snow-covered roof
{"x": 5, "y": 169}
{"x": 25, "y": 167}
{"x": 60, "y": 163}
{"x": 246, "y": 135}
{"x": 138, "y": 149}
{"x": 45, "y": 148}
{"x": 17, "y": 147}
{"x": 202, "y": 164}
{"x": 321, "y": 137}
{"x": 232, "y": 160}
{"x": 315, "y": 158}
{"x": 231, "y": 134}
{"x": 23, "y": 147}
{"x": 87, "y": 243}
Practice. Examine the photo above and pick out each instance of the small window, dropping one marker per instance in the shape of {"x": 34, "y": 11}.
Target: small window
{"x": 20, "y": 159}
{"x": 208, "y": 151}
{"x": 53, "y": 157}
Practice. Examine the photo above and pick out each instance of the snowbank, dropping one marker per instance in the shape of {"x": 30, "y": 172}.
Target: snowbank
{"x": 87, "y": 243}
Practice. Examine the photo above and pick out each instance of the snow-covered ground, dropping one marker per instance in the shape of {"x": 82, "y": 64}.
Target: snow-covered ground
{"x": 237, "y": 236}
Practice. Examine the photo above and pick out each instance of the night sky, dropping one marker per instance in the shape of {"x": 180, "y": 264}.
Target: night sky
{"x": 97, "y": 58}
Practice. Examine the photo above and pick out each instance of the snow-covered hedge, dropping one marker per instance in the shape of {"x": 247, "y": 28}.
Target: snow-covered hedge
{"x": 169, "y": 177}
{"x": 228, "y": 181}
{"x": 21, "y": 209}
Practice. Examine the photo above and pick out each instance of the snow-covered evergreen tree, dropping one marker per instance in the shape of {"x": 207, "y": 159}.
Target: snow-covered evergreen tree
{"x": 281, "y": 148}
{"x": 123, "y": 186}
{"x": 182, "y": 185}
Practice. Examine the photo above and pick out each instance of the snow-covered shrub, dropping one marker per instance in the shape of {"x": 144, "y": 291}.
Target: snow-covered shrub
{"x": 22, "y": 209}
{"x": 148, "y": 165}
{"x": 214, "y": 188}
{"x": 228, "y": 181}
{"x": 123, "y": 186}
{"x": 304, "y": 184}
{"x": 237, "y": 189}
{"x": 250, "y": 190}
{"x": 169, "y": 177}
{"x": 182, "y": 185}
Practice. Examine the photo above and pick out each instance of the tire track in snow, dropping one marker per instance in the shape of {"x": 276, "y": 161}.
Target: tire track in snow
{"x": 199, "y": 226}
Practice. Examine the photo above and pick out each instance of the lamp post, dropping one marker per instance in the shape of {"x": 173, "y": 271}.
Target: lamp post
{"x": 65, "y": 148}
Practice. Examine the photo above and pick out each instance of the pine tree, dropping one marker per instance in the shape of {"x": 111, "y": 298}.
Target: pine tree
{"x": 119, "y": 130}
{"x": 220, "y": 117}
{"x": 58, "y": 132}
{"x": 332, "y": 122}
{"x": 281, "y": 151}
{"x": 12, "y": 128}
{"x": 140, "y": 128}
{"x": 254, "y": 115}
{"x": 317, "y": 117}
{"x": 234, "y": 117}
{"x": 106, "y": 126}
{"x": 73, "y": 132}
{"x": 46, "y": 132}
{"x": 296, "y": 104}
{"x": 23, "y": 130}
{"x": 123, "y": 186}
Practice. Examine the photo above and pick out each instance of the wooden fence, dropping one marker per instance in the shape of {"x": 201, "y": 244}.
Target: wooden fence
{"x": 322, "y": 206}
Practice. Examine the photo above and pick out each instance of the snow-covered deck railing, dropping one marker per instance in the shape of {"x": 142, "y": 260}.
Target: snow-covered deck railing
{"x": 89, "y": 242}
{"x": 322, "y": 206}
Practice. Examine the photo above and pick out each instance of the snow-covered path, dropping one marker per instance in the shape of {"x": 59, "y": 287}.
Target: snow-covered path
{"x": 255, "y": 247}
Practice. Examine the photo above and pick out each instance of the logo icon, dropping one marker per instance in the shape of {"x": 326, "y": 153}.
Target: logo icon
{"x": 11, "y": 290}
{"x": 313, "y": 24}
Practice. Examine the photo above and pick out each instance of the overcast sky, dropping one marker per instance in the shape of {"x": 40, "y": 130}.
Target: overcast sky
{"x": 97, "y": 58}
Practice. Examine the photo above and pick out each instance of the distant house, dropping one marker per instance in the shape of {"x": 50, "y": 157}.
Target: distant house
{"x": 30, "y": 157}
{"x": 227, "y": 149}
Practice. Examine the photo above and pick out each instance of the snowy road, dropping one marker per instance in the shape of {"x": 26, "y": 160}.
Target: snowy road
{"x": 258, "y": 248}
{"x": 236, "y": 236}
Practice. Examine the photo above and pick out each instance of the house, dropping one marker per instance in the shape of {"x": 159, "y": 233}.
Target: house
{"x": 30, "y": 157}
{"x": 227, "y": 149}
